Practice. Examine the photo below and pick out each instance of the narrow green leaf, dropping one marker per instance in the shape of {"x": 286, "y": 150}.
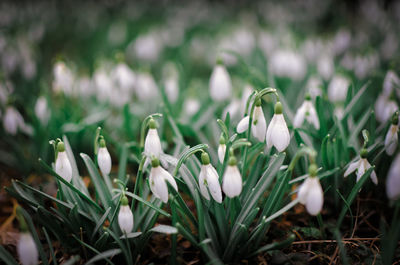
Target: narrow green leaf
{"x": 148, "y": 204}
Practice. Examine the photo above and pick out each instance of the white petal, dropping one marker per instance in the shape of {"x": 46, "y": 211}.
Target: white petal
{"x": 303, "y": 191}
{"x": 270, "y": 129}
{"x": 168, "y": 177}
{"x": 220, "y": 84}
{"x": 391, "y": 140}
{"x": 361, "y": 169}
{"x": 243, "y": 125}
{"x": 213, "y": 183}
{"x": 152, "y": 181}
{"x": 125, "y": 219}
{"x": 259, "y": 126}
{"x": 104, "y": 161}
{"x": 203, "y": 182}
{"x": 373, "y": 176}
{"x": 313, "y": 117}
{"x": 280, "y": 136}
{"x": 27, "y": 250}
{"x": 63, "y": 166}
{"x": 221, "y": 152}
{"x": 160, "y": 187}
{"x": 232, "y": 182}
{"x": 393, "y": 179}
{"x": 315, "y": 198}
{"x": 299, "y": 117}
{"x": 152, "y": 144}
{"x": 352, "y": 167}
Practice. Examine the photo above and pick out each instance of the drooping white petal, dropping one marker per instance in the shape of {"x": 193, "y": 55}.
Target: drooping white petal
{"x": 259, "y": 125}
{"x": 337, "y": 89}
{"x": 171, "y": 89}
{"x": 278, "y": 133}
{"x": 203, "y": 182}
{"x": 391, "y": 140}
{"x": 125, "y": 219}
{"x": 361, "y": 168}
{"x": 300, "y": 115}
{"x": 393, "y": 179}
{"x": 312, "y": 116}
{"x": 158, "y": 183}
{"x": 152, "y": 144}
{"x": 27, "y": 250}
{"x": 352, "y": 167}
{"x": 213, "y": 183}
{"x": 168, "y": 177}
{"x": 220, "y": 84}
{"x": 221, "y": 152}
{"x": 373, "y": 176}
{"x": 63, "y": 166}
{"x": 303, "y": 191}
{"x": 233, "y": 108}
{"x": 232, "y": 181}
{"x": 42, "y": 111}
{"x": 315, "y": 197}
{"x": 12, "y": 120}
{"x": 104, "y": 160}
{"x": 243, "y": 125}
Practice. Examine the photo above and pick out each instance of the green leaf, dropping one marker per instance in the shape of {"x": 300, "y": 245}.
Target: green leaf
{"x": 101, "y": 221}
{"x": 6, "y": 257}
{"x": 148, "y": 204}
{"x": 164, "y": 229}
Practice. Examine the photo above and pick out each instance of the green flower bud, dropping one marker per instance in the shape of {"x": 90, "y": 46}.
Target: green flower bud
{"x": 278, "y": 108}
{"x": 205, "y": 158}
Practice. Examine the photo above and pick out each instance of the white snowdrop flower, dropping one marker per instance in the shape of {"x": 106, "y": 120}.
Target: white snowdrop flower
{"x": 209, "y": 180}
{"x": 125, "y": 216}
{"x": 310, "y": 192}
{"x": 390, "y": 82}
{"x": 339, "y": 112}
{"x": 147, "y": 47}
{"x": 325, "y": 66}
{"x": 158, "y": 181}
{"x": 341, "y": 41}
{"x": 361, "y": 166}
{"x": 12, "y": 120}
{"x": 63, "y": 166}
{"x": 146, "y": 87}
{"x": 308, "y": 112}
{"x": 124, "y": 78}
{"x": 104, "y": 158}
{"x": 337, "y": 89}
{"x": 259, "y": 124}
{"x": 220, "y": 83}
{"x": 384, "y": 108}
{"x": 85, "y": 86}
{"x": 103, "y": 84}
{"x": 171, "y": 82}
{"x": 152, "y": 143}
{"x": 232, "y": 179}
{"x": 391, "y": 138}
{"x": 286, "y": 63}
{"x": 63, "y": 78}
{"x": 191, "y": 106}
{"x": 278, "y": 132}
{"x": 42, "y": 110}
{"x": 221, "y": 149}
{"x": 27, "y": 250}
{"x": 393, "y": 179}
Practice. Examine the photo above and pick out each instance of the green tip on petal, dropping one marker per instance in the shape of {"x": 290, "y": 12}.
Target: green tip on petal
{"x": 232, "y": 161}
{"x": 222, "y": 140}
{"x": 313, "y": 170}
{"x": 258, "y": 102}
{"x": 152, "y": 124}
{"x": 124, "y": 201}
{"x": 102, "y": 142}
{"x": 155, "y": 162}
{"x": 307, "y": 96}
{"x": 278, "y": 108}
{"x": 60, "y": 147}
{"x": 205, "y": 158}
{"x": 364, "y": 153}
